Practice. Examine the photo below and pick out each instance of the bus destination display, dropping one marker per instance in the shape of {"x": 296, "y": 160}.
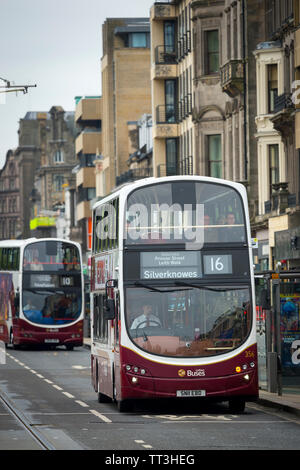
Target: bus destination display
{"x": 50, "y": 281}
{"x": 183, "y": 265}
{"x": 170, "y": 265}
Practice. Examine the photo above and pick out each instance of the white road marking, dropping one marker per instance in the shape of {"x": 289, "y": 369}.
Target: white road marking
{"x": 101, "y": 416}
{"x": 57, "y": 387}
{"x": 81, "y": 403}
{"x": 68, "y": 394}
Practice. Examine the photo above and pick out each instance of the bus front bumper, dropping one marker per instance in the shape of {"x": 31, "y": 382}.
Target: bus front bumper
{"x": 242, "y": 385}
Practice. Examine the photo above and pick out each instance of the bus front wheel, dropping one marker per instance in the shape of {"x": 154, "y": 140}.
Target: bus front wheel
{"x": 122, "y": 405}
{"x": 237, "y": 405}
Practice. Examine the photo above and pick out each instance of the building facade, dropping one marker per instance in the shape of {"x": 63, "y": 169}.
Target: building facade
{"x": 46, "y": 154}
{"x": 204, "y": 88}
{"x": 10, "y": 197}
{"x": 88, "y": 146}
{"x": 172, "y": 73}
{"x": 126, "y": 93}
{"x": 278, "y": 155}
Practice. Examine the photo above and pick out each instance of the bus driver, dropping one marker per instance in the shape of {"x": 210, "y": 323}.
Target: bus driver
{"x": 146, "y": 318}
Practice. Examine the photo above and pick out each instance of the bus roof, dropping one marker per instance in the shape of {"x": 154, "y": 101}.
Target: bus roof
{"x": 21, "y": 243}
{"x": 128, "y": 187}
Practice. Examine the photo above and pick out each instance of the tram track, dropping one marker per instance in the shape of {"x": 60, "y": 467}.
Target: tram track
{"x": 8, "y": 404}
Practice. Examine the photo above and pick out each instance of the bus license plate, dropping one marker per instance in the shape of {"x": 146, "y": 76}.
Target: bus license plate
{"x": 51, "y": 340}
{"x": 191, "y": 393}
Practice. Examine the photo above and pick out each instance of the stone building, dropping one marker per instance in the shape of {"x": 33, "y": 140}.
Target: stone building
{"x": 10, "y": 197}
{"x": 126, "y": 93}
{"x": 88, "y": 147}
{"x": 204, "y": 88}
{"x": 46, "y": 154}
{"x": 277, "y": 223}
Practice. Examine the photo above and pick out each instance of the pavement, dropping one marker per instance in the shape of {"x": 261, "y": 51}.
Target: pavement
{"x": 289, "y": 402}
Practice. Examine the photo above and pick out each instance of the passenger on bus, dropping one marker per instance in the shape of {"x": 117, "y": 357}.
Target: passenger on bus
{"x": 146, "y": 318}
{"x": 210, "y": 233}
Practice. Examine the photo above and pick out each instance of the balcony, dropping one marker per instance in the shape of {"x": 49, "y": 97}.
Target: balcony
{"x": 167, "y": 118}
{"x": 86, "y": 177}
{"x": 280, "y": 199}
{"x": 88, "y": 109}
{"x": 133, "y": 175}
{"x": 185, "y": 107}
{"x": 283, "y": 102}
{"x": 165, "y": 55}
{"x": 166, "y": 170}
{"x": 232, "y": 78}
{"x": 163, "y": 11}
{"x": 83, "y": 210}
{"x": 165, "y": 63}
{"x": 166, "y": 114}
{"x": 284, "y": 117}
{"x": 89, "y": 142}
{"x": 184, "y": 45}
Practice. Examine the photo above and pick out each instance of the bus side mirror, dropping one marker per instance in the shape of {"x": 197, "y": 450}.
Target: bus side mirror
{"x": 109, "y": 309}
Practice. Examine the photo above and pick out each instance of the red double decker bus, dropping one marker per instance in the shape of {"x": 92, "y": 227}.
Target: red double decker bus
{"x": 172, "y": 295}
{"x": 41, "y": 293}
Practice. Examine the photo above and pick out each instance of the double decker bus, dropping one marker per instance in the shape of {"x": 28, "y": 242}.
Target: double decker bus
{"x": 172, "y": 293}
{"x": 41, "y": 293}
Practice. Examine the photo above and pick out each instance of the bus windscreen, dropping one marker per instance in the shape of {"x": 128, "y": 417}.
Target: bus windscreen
{"x": 51, "y": 256}
{"x": 188, "y": 321}
{"x": 51, "y": 307}
{"x": 184, "y": 212}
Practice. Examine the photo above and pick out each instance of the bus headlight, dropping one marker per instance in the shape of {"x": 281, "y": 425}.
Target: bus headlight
{"x": 247, "y": 377}
{"x": 134, "y": 380}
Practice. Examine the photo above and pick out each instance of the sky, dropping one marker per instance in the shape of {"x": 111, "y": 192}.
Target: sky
{"x": 57, "y": 45}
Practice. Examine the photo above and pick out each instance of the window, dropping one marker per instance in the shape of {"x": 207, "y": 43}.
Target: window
{"x": 211, "y": 52}
{"x": 272, "y": 86}
{"x": 171, "y": 157}
{"x": 9, "y": 259}
{"x": 273, "y": 165}
{"x": 169, "y": 36}
{"x": 214, "y": 156}
{"x": 106, "y": 226}
{"x": 170, "y": 100}
{"x": 139, "y": 40}
{"x": 100, "y": 325}
{"x": 58, "y": 181}
{"x": 59, "y": 156}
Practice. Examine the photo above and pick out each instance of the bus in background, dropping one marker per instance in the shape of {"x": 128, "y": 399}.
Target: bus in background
{"x": 41, "y": 293}
{"x": 172, "y": 293}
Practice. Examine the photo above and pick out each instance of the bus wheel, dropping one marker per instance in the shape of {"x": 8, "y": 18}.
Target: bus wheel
{"x": 69, "y": 347}
{"x": 103, "y": 398}
{"x": 123, "y": 405}
{"x": 11, "y": 341}
{"x": 237, "y": 405}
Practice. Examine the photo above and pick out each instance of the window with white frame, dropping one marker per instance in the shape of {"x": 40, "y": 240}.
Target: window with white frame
{"x": 59, "y": 156}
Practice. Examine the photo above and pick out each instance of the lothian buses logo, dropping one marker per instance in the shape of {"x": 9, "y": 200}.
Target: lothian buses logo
{"x": 159, "y": 222}
{"x": 191, "y": 373}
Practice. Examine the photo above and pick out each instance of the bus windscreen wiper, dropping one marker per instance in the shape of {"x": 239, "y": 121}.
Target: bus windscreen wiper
{"x": 155, "y": 289}
{"x": 222, "y": 289}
